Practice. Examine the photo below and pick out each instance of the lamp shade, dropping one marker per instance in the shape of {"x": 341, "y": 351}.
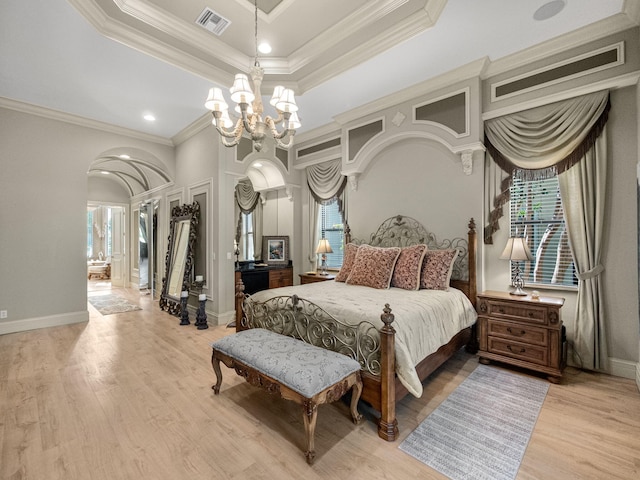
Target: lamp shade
{"x": 277, "y": 93}
{"x": 324, "y": 247}
{"x": 293, "y": 122}
{"x": 215, "y": 101}
{"x": 517, "y": 250}
{"x": 241, "y": 90}
{"x": 287, "y": 101}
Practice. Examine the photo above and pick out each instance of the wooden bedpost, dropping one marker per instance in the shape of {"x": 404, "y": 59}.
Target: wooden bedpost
{"x": 473, "y": 246}
{"x": 239, "y": 300}
{"x": 388, "y": 424}
{"x": 472, "y": 346}
{"x": 347, "y": 233}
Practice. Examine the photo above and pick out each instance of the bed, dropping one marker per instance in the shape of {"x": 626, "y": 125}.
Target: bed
{"x": 399, "y": 335}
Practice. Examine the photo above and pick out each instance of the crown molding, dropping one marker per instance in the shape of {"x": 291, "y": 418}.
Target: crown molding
{"x": 190, "y": 130}
{"x": 470, "y": 70}
{"x": 632, "y": 9}
{"x": 177, "y": 28}
{"x": 601, "y": 29}
{"x": 125, "y": 34}
{"x": 81, "y": 121}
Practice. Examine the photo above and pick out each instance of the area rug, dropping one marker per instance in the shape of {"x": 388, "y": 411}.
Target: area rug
{"x": 482, "y": 429}
{"x": 110, "y": 304}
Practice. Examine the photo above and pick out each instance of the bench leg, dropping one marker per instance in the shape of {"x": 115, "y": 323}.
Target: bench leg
{"x": 310, "y": 416}
{"x": 355, "y": 397}
{"x": 215, "y": 363}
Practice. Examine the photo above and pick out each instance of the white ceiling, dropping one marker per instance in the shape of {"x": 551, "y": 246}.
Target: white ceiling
{"x": 112, "y": 61}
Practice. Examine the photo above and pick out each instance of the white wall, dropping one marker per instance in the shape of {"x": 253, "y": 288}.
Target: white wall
{"x": 421, "y": 179}
{"x": 43, "y": 208}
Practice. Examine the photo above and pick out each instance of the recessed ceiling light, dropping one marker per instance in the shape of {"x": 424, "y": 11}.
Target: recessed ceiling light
{"x": 124, "y": 156}
{"x": 549, "y": 9}
{"x": 264, "y": 47}
{"x": 104, "y": 172}
{"x": 257, "y": 165}
{"x": 149, "y": 118}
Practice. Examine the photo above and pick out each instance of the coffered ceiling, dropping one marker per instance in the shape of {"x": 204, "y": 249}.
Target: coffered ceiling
{"x": 111, "y": 61}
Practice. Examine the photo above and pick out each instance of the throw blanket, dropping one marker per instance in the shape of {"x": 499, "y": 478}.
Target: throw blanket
{"x": 424, "y": 319}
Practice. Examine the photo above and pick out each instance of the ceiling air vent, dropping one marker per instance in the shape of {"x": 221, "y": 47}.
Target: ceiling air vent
{"x": 212, "y": 21}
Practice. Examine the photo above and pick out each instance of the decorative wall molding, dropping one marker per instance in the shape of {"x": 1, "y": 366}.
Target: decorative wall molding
{"x": 467, "y": 161}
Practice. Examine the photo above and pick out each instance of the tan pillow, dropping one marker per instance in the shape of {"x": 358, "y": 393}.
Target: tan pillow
{"x": 348, "y": 259}
{"x": 406, "y": 273}
{"x": 373, "y": 266}
{"x": 436, "y": 269}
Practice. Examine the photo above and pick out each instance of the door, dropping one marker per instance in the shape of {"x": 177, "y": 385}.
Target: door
{"x": 118, "y": 259}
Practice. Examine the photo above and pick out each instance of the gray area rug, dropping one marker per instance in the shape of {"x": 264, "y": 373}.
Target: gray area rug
{"x": 110, "y": 304}
{"x": 482, "y": 429}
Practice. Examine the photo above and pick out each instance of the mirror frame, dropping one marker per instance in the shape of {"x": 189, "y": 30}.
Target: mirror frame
{"x": 179, "y": 213}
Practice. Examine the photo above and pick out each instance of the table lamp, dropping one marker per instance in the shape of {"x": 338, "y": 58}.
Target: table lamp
{"x": 324, "y": 248}
{"x": 517, "y": 251}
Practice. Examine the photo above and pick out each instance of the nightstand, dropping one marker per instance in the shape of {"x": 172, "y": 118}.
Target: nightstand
{"x": 312, "y": 278}
{"x": 522, "y": 331}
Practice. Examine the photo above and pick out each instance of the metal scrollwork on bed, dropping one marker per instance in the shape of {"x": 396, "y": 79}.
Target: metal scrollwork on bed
{"x": 306, "y": 321}
{"x": 401, "y": 231}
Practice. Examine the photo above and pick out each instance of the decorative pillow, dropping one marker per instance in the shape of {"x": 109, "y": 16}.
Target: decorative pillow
{"x": 348, "y": 259}
{"x": 406, "y": 273}
{"x": 436, "y": 269}
{"x": 373, "y": 266}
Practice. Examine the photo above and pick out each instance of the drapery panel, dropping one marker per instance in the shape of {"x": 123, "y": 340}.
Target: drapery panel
{"x": 566, "y": 138}
{"x": 326, "y": 182}
{"x": 248, "y": 201}
{"x": 583, "y": 192}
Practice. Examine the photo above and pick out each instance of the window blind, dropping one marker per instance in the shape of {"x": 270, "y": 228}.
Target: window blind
{"x": 537, "y": 215}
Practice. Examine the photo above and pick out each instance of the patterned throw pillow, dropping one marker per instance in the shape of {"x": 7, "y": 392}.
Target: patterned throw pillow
{"x": 406, "y": 274}
{"x": 373, "y": 266}
{"x": 347, "y": 262}
{"x": 436, "y": 269}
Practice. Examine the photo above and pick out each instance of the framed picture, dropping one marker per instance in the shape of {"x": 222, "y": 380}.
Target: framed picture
{"x": 275, "y": 250}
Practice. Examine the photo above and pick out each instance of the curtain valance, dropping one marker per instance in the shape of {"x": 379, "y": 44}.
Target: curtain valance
{"x": 246, "y": 197}
{"x": 547, "y": 140}
{"x": 325, "y": 180}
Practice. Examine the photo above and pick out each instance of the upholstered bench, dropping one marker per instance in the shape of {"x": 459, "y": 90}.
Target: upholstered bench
{"x": 298, "y": 371}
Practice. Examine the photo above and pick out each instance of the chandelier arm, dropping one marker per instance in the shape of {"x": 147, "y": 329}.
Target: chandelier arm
{"x": 274, "y": 131}
{"x": 287, "y": 145}
{"x": 237, "y": 131}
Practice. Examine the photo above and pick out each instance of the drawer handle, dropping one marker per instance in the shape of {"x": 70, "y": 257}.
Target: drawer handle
{"x": 530, "y": 314}
{"x": 516, "y": 350}
{"x": 501, "y": 310}
{"x": 521, "y": 332}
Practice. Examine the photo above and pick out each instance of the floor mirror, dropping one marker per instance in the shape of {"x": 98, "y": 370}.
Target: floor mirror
{"x": 179, "y": 259}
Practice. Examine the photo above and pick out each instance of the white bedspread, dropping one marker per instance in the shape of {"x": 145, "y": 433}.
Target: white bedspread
{"x": 424, "y": 319}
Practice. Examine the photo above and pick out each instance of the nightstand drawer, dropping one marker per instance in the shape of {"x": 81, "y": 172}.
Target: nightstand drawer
{"x": 281, "y": 277}
{"x": 522, "y": 351}
{"x": 518, "y": 332}
{"x": 529, "y": 313}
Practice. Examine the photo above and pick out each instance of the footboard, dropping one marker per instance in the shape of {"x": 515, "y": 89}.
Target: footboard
{"x": 373, "y": 348}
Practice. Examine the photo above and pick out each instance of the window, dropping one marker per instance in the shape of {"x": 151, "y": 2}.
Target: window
{"x": 246, "y": 241}
{"x": 536, "y": 214}
{"x": 331, "y": 227}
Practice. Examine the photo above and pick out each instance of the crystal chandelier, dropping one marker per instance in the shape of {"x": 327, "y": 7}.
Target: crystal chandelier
{"x": 250, "y": 108}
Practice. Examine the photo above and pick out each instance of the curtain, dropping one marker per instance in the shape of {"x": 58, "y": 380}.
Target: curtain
{"x": 568, "y": 139}
{"x": 583, "y": 192}
{"x": 326, "y": 182}
{"x": 247, "y": 201}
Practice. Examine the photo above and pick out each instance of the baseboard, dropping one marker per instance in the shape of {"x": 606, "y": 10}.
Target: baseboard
{"x": 213, "y": 318}
{"x": 624, "y": 368}
{"x": 638, "y": 375}
{"x": 43, "y": 322}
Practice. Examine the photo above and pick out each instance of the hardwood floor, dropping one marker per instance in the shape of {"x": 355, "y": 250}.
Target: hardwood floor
{"x": 128, "y": 396}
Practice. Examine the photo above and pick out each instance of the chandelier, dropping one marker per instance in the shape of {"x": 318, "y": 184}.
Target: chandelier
{"x": 250, "y": 108}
